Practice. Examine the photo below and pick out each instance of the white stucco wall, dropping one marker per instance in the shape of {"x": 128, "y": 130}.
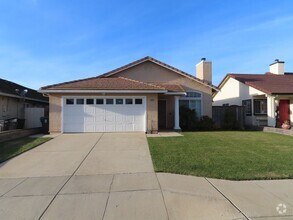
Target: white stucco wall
{"x": 234, "y": 92}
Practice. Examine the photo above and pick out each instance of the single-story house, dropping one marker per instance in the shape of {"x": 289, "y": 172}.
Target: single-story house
{"x": 15, "y": 99}
{"x": 267, "y": 98}
{"x": 144, "y": 95}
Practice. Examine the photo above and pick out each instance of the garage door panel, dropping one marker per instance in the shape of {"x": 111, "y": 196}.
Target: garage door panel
{"x": 109, "y": 128}
{"x": 100, "y": 128}
{"x": 74, "y": 127}
{"x": 89, "y": 127}
{"x": 129, "y": 127}
{"x": 102, "y": 117}
{"x": 137, "y": 127}
{"x": 119, "y": 119}
{"x": 88, "y": 119}
{"x": 110, "y": 119}
{"x": 73, "y": 119}
{"x": 119, "y": 127}
{"x": 129, "y": 119}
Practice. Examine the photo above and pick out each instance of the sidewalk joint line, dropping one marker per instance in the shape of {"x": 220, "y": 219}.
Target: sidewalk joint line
{"x": 108, "y": 197}
{"x": 227, "y": 199}
{"x": 70, "y": 176}
{"x": 14, "y": 187}
{"x": 162, "y": 196}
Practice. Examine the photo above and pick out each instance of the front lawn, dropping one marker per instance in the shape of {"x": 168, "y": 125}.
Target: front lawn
{"x": 9, "y": 149}
{"x": 226, "y": 155}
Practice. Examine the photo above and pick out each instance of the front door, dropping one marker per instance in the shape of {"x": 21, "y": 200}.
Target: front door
{"x": 162, "y": 114}
{"x": 284, "y": 110}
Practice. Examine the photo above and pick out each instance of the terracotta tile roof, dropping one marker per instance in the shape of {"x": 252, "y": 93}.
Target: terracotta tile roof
{"x": 9, "y": 88}
{"x": 103, "y": 83}
{"x": 170, "y": 87}
{"x": 148, "y": 58}
{"x": 268, "y": 83}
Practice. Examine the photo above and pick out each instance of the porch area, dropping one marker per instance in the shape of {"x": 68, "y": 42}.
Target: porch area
{"x": 169, "y": 108}
{"x": 268, "y": 110}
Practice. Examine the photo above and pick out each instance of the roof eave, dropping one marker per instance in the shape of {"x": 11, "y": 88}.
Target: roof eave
{"x": 175, "y": 93}
{"x": 47, "y": 91}
{"x": 19, "y": 97}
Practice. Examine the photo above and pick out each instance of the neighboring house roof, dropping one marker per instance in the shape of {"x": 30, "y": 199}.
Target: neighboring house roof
{"x": 104, "y": 83}
{"x": 268, "y": 83}
{"x": 148, "y": 58}
{"x": 8, "y": 88}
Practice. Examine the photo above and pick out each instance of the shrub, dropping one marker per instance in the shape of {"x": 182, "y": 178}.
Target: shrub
{"x": 190, "y": 122}
{"x": 230, "y": 120}
{"x": 206, "y": 124}
{"x": 188, "y": 119}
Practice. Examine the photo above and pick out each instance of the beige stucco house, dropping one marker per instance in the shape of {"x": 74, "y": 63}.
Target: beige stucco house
{"x": 21, "y": 103}
{"x": 267, "y": 98}
{"x": 144, "y": 95}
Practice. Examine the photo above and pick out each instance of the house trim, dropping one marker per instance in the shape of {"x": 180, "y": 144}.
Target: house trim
{"x": 19, "y": 97}
{"x": 101, "y": 91}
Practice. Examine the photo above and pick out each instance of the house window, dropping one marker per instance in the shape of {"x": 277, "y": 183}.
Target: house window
{"x": 192, "y": 100}
{"x": 192, "y": 104}
{"x": 79, "y": 101}
{"x": 247, "y": 106}
{"x": 99, "y": 101}
{"x": 109, "y": 101}
{"x": 119, "y": 101}
{"x": 89, "y": 101}
{"x": 193, "y": 94}
{"x": 69, "y": 101}
{"x": 226, "y": 104}
{"x": 260, "y": 106}
{"x": 138, "y": 101}
{"x": 128, "y": 101}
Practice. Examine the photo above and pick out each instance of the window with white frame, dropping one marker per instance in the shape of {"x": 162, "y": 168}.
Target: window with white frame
{"x": 192, "y": 100}
{"x": 260, "y": 106}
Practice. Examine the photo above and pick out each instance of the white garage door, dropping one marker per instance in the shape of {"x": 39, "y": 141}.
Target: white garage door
{"x": 104, "y": 114}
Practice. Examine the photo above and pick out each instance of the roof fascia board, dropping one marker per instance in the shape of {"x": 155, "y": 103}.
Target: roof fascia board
{"x": 101, "y": 91}
{"x": 19, "y": 97}
{"x": 175, "y": 93}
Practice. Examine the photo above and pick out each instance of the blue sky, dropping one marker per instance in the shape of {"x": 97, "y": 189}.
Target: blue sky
{"x": 50, "y": 41}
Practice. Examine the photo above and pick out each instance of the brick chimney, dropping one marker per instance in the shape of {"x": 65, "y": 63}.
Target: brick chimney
{"x": 204, "y": 70}
{"x": 277, "y": 67}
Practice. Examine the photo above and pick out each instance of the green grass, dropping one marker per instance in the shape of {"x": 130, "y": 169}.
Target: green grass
{"x": 9, "y": 149}
{"x": 225, "y": 155}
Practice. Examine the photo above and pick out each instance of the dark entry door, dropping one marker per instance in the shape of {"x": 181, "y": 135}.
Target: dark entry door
{"x": 284, "y": 110}
{"x": 162, "y": 114}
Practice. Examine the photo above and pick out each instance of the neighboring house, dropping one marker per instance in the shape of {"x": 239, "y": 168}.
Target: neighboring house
{"x": 16, "y": 101}
{"x": 268, "y": 98}
{"x": 144, "y": 95}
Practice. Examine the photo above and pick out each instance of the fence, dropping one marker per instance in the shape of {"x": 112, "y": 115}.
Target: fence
{"x": 32, "y": 117}
{"x": 230, "y": 117}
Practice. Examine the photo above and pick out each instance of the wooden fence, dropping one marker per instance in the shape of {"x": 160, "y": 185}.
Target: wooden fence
{"x": 229, "y": 117}
{"x": 32, "y": 117}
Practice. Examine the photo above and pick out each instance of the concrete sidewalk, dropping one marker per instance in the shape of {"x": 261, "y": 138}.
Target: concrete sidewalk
{"x": 110, "y": 176}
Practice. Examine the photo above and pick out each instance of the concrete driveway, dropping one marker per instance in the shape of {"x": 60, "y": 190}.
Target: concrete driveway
{"x": 110, "y": 176}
